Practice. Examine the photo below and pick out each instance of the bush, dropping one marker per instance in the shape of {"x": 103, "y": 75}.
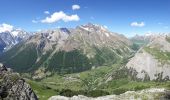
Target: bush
{"x": 67, "y": 93}
{"x": 119, "y": 91}
{"x": 93, "y": 93}
{"x": 97, "y": 93}
{"x": 140, "y": 87}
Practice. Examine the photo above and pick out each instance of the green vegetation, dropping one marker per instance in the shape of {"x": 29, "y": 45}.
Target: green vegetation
{"x": 21, "y": 61}
{"x": 104, "y": 56}
{"x": 41, "y": 90}
{"x": 92, "y": 93}
{"x": 168, "y": 38}
{"x": 162, "y": 56}
{"x": 69, "y": 62}
{"x": 135, "y": 46}
{"x": 74, "y": 73}
{"x": 139, "y": 42}
{"x": 92, "y": 83}
{"x": 23, "y": 58}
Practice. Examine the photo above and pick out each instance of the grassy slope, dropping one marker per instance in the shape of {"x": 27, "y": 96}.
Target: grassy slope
{"x": 41, "y": 90}
{"x": 21, "y": 60}
{"x": 163, "y": 57}
{"x": 75, "y": 82}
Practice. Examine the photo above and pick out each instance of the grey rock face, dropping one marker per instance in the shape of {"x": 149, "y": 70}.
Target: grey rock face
{"x": 13, "y": 87}
{"x": 10, "y": 38}
{"x": 149, "y": 65}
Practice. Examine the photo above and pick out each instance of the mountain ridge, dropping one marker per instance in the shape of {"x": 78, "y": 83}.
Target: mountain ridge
{"x": 156, "y": 65}
{"x": 10, "y": 36}
{"x": 93, "y": 47}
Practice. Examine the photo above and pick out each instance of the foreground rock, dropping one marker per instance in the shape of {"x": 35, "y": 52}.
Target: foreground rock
{"x": 13, "y": 87}
{"x": 147, "y": 94}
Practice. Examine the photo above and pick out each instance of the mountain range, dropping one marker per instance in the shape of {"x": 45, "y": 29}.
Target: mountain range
{"x": 10, "y": 36}
{"x": 68, "y": 50}
{"x": 89, "y": 60}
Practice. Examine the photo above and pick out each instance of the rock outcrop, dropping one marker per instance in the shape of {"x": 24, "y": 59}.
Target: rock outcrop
{"x": 152, "y": 62}
{"x": 13, "y": 87}
{"x": 147, "y": 94}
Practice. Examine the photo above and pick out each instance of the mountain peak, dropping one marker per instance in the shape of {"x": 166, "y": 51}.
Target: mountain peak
{"x": 65, "y": 30}
{"x": 86, "y": 41}
{"x": 9, "y": 36}
{"x": 93, "y": 27}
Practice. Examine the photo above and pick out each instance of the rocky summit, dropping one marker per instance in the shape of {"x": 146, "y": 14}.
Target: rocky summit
{"x": 13, "y": 87}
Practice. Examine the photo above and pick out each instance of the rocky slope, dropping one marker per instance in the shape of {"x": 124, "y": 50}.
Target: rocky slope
{"x": 147, "y": 94}
{"x": 152, "y": 62}
{"x": 68, "y": 50}
{"x": 13, "y": 87}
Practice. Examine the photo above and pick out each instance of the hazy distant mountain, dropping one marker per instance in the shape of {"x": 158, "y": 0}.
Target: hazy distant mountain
{"x": 146, "y": 38}
{"x": 10, "y": 36}
{"x": 152, "y": 62}
{"x": 68, "y": 50}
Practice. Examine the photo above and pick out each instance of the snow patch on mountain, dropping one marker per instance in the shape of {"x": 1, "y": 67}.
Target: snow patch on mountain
{"x": 10, "y": 36}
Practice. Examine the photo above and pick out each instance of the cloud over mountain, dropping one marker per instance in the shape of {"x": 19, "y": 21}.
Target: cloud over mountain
{"x": 137, "y": 24}
{"x": 5, "y": 27}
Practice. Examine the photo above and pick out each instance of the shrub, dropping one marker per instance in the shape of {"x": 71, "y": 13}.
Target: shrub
{"x": 140, "y": 87}
{"x": 97, "y": 93}
{"x": 119, "y": 91}
{"x": 67, "y": 93}
{"x": 93, "y": 93}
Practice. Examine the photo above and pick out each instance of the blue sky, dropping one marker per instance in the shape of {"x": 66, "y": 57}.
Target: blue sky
{"x": 127, "y": 17}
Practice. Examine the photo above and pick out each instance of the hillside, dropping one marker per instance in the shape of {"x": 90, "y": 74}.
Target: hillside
{"x": 152, "y": 61}
{"x": 68, "y": 50}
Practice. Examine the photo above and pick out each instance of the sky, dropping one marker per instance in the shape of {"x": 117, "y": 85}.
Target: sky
{"x": 128, "y": 17}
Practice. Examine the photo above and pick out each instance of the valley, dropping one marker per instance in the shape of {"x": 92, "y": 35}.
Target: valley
{"x": 84, "y": 50}
{"x": 86, "y": 61}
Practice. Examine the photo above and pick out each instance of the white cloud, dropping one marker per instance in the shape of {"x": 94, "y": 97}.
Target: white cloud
{"x": 34, "y": 21}
{"x": 137, "y": 24}
{"x": 75, "y": 7}
{"x": 46, "y": 12}
{"x": 5, "y": 27}
{"x": 57, "y": 16}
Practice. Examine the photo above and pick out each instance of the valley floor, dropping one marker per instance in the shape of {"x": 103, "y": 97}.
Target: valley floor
{"x": 93, "y": 83}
